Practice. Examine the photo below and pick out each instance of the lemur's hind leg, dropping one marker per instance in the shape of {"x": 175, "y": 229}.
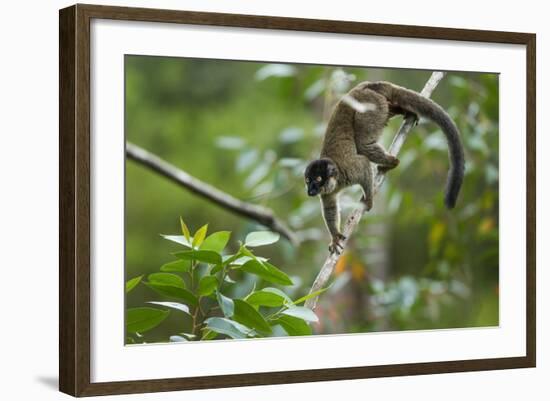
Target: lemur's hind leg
{"x": 369, "y": 126}
{"x": 395, "y": 110}
{"x": 377, "y": 154}
{"x": 363, "y": 177}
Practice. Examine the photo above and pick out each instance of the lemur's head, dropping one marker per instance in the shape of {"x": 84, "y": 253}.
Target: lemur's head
{"x": 321, "y": 177}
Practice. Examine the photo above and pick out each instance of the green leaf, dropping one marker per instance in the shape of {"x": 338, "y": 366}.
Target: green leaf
{"x": 216, "y": 269}
{"x": 301, "y": 312}
{"x": 172, "y": 305}
{"x": 187, "y": 336}
{"x": 238, "y": 260}
{"x": 247, "y": 256}
{"x": 247, "y": 315}
{"x": 179, "y": 239}
{"x": 278, "y": 331}
{"x": 312, "y": 295}
{"x": 131, "y": 284}
{"x": 226, "y": 304}
{"x": 185, "y": 230}
{"x": 140, "y": 320}
{"x": 216, "y": 242}
{"x": 278, "y": 292}
{"x": 294, "y": 326}
{"x": 228, "y": 327}
{"x": 268, "y": 297}
{"x": 266, "y": 271}
{"x": 260, "y": 238}
{"x": 198, "y": 238}
{"x": 235, "y": 260}
{"x": 209, "y": 257}
{"x": 208, "y": 334}
{"x": 207, "y": 285}
{"x": 176, "y": 266}
{"x": 170, "y": 279}
{"x": 247, "y": 253}
{"x": 277, "y": 275}
{"x": 178, "y": 339}
{"x": 174, "y": 292}
{"x": 227, "y": 259}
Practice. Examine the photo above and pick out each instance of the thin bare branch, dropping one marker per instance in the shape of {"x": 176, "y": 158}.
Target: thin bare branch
{"x": 260, "y": 214}
{"x": 355, "y": 216}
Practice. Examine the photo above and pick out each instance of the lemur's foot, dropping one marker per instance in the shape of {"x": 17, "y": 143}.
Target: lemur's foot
{"x": 392, "y": 163}
{"x": 336, "y": 245}
{"x": 367, "y": 202}
{"x": 414, "y": 116}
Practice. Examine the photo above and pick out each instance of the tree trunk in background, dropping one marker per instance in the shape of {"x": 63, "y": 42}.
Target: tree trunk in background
{"x": 378, "y": 260}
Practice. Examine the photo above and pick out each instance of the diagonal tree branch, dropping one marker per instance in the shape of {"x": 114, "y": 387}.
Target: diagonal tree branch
{"x": 355, "y": 216}
{"x": 251, "y": 211}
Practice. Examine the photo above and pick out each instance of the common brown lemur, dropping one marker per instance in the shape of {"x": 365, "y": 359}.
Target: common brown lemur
{"x": 350, "y": 145}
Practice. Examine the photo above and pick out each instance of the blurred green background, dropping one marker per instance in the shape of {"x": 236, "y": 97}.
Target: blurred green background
{"x": 250, "y": 128}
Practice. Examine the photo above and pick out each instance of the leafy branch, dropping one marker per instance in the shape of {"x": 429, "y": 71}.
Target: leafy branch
{"x": 355, "y": 216}
{"x": 260, "y": 214}
{"x": 199, "y": 283}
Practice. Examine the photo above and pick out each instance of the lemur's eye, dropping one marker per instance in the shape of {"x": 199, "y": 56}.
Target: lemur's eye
{"x": 318, "y": 179}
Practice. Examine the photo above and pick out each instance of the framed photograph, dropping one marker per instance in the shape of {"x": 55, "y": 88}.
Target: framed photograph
{"x": 250, "y": 200}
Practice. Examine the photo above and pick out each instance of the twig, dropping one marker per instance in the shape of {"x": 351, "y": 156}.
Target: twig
{"x": 355, "y": 216}
{"x": 257, "y": 213}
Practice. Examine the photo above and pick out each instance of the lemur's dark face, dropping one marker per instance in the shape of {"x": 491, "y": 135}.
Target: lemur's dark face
{"x": 320, "y": 176}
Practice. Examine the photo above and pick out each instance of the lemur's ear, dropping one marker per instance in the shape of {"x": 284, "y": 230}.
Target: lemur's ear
{"x": 331, "y": 169}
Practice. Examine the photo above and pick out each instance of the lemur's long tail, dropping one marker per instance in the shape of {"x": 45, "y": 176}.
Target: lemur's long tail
{"x": 416, "y": 103}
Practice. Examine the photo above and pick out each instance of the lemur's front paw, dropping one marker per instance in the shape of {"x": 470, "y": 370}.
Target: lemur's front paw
{"x": 336, "y": 245}
{"x": 367, "y": 202}
{"x": 393, "y": 163}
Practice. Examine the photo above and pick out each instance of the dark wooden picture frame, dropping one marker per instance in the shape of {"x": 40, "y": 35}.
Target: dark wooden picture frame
{"x": 74, "y": 202}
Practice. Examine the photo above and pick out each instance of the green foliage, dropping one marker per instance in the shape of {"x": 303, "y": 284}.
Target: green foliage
{"x": 176, "y": 266}
{"x": 261, "y": 238}
{"x": 226, "y": 304}
{"x": 132, "y": 283}
{"x": 209, "y": 257}
{"x": 266, "y": 271}
{"x": 198, "y": 287}
{"x": 216, "y": 242}
{"x": 199, "y": 236}
{"x": 294, "y": 326}
{"x": 228, "y": 327}
{"x": 268, "y": 297}
{"x": 173, "y": 305}
{"x": 171, "y": 286}
{"x": 207, "y": 285}
{"x": 140, "y": 320}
